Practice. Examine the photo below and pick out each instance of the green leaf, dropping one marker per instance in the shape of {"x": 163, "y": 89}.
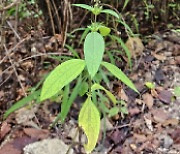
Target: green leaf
{"x": 120, "y": 75}
{"x": 177, "y": 91}
{"x": 65, "y": 107}
{"x": 74, "y": 52}
{"x": 84, "y": 6}
{"x": 89, "y": 121}
{"x": 84, "y": 34}
{"x": 104, "y": 30}
{"x": 94, "y": 47}
{"x": 110, "y": 95}
{"x": 120, "y": 41}
{"x": 111, "y": 12}
{"x": 113, "y": 111}
{"x": 22, "y": 102}
{"x": 125, "y": 4}
{"x": 84, "y": 88}
{"x": 124, "y": 110}
{"x": 61, "y": 76}
{"x": 150, "y": 85}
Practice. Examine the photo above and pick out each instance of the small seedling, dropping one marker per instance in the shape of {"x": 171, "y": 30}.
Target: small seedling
{"x": 85, "y": 71}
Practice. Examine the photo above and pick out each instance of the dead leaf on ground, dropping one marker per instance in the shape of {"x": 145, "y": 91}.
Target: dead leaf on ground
{"x": 160, "y": 57}
{"x": 173, "y": 122}
{"x": 24, "y": 115}
{"x": 148, "y": 121}
{"x": 123, "y": 95}
{"x": 117, "y": 136}
{"x": 5, "y": 128}
{"x": 17, "y": 145}
{"x": 176, "y": 136}
{"x": 133, "y": 111}
{"x": 165, "y": 96}
{"x": 148, "y": 99}
{"x": 159, "y": 115}
{"x": 140, "y": 137}
{"x": 36, "y": 133}
{"x": 135, "y": 46}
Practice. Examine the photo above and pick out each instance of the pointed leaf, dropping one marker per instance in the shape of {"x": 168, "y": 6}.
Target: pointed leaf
{"x": 111, "y": 12}
{"x": 61, "y": 76}
{"x": 65, "y": 107}
{"x": 33, "y": 96}
{"x": 84, "y": 6}
{"x": 104, "y": 30}
{"x": 120, "y": 41}
{"x": 120, "y": 75}
{"x": 110, "y": 95}
{"x": 89, "y": 121}
{"x": 94, "y": 47}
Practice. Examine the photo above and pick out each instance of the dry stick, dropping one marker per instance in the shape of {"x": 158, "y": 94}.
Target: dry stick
{"x": 13, "y": 48}
{"x": 6, "y": 79}
{"x": 51, "y": 17}
{"x": 38, "y": 55}
{"x": 57, "y": 15}
{"x": 65, "y": 21}
{"x": 14, "y": 30}
{"x": 15, "y": 71}
{"x": 9, "y": 6}
{"x": 1, "y": 28}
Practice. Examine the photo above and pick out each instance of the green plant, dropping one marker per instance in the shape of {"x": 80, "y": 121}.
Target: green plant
{"x": 24, "y": 11}
{"x": 88, "y": 73}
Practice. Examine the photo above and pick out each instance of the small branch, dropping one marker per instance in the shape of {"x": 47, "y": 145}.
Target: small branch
{"x": 15, "y": 71}
{"x": 9, "y": 6}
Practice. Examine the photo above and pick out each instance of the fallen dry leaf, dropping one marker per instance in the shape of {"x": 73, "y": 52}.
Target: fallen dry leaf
{"x": 17, "y": 145}
{"x": 36, "y": 133}
{"x": 134, "y": 111}
{"x": 165, "y": 96}
{"x": 159, "y": 115}
{"x": 123, "y": 95}
{"x": 135, "y": 46}
{"x": 160, "y": 57}
{"x": 148, "y": 99}
{"x": 148, "y": 122}
{"x": 176, "y": 136}
{"x": 173, "y": 122}
{"x": 140, "y": 137}
{"x": 5, "y": 128}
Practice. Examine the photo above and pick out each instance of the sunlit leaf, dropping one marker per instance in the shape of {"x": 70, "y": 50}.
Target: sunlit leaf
{"x": 111, "y": 12}
{"x": 84, "y": 6}
{"x": 113, "y": 111}
{"x": 89, "y": 121}
{"x": 94, "y": 47}
{"x": 110, "y": 95}
{"x": 120, "y": 75}
{"x": 125, "y": 4}
{"x": 150, "y": 85}
{"x": 84, "y": 88}
{"x": 177, "y": 91}
{"x": 65, "y": 107}
{"x": 61, "y": 76}
{"x": 104, "y": 31}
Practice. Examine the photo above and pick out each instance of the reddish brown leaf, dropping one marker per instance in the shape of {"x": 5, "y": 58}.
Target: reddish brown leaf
{"x": 5, "y": 128}
{"x": 148, "y": 99}
{"x": 165, "y": 96}
{"x": 176, "y": 136}
{"x": 36, "y": 133}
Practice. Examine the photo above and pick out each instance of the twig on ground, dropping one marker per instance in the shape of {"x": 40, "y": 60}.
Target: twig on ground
{"x": 9, "y": 6}
{"x": 15, "y": 71}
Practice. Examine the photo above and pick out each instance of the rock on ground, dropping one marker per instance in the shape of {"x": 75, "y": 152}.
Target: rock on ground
{"x": 47, "y": 146}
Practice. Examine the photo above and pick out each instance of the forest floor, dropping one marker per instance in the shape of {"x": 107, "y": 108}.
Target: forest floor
{"x": 151, "y": 126}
